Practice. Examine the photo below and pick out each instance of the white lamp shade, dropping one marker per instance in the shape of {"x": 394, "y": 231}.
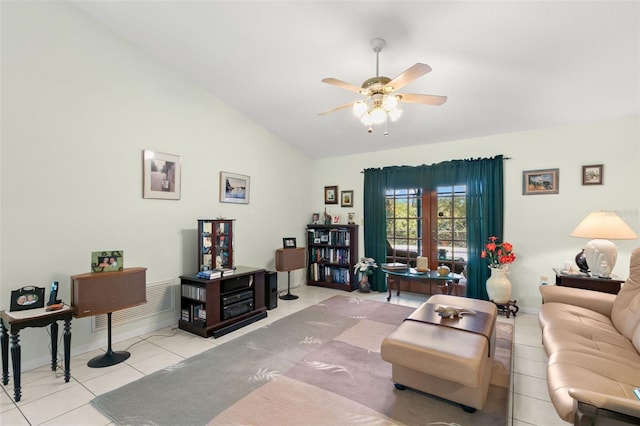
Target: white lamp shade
{"x": 600, "y": 253}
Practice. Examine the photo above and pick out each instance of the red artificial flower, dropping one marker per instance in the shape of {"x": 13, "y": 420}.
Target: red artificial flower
{"x": 499, "y": 255}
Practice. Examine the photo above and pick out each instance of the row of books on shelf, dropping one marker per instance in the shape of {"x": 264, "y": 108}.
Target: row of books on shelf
{"x": 194, "y": 292}
{"x": 336, "y": 237}
{"x": 194, "y": 313}
{"x": 329, "y": 254}
{"x": 319, "y": 272}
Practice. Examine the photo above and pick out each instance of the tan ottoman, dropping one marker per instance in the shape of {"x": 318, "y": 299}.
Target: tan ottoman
{"x": 440, "y": 359}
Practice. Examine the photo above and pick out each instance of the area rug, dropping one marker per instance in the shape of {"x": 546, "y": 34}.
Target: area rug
{"x": 319, "y": 366}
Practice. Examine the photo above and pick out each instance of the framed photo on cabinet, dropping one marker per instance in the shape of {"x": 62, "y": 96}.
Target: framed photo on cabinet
{"x": 161, "y": 175}
{"x": 234, "y": 188}
{"x": 544, "y": 181}
{"x": 592, "y": 175}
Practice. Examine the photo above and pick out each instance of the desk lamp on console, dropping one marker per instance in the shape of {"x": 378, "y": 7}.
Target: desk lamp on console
{"x": 98, "y": 293}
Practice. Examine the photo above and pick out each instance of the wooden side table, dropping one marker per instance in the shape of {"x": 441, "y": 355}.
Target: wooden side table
{"x": 605, "y": 285}
{"x": 13, "y": 322}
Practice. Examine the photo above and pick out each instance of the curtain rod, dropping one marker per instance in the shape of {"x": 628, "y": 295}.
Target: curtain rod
{"x": 504, "y": 158}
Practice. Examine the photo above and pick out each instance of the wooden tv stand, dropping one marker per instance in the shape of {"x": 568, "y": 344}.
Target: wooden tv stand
{"x": 219, "y": 306}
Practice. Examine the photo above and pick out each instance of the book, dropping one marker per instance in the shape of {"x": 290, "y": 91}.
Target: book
{"x": 210, "y": 274}
{"x": 395, "y": 266}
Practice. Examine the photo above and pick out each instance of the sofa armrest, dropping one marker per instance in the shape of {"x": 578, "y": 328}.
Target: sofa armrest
{"x": 588, "y": 299}
{"x": 592, "y": 405}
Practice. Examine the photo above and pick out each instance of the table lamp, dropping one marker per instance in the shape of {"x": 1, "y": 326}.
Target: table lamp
{"x": 601, "y": 253}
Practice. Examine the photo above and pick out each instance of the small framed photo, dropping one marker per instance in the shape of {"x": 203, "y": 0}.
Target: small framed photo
{"x": 107, "y": 261}
{"x": 592, "y": 175}
{"x": 234, "y": 188}
{"x": 331, "y": 195}
{"x": 289, "y": 242}
{"x": 161, "y": 175}
{"x": 335, "y": 219}
{"x": 546, "y": 181}
{"x": 316, "y": 241}
{"x": 315, "y": 218}
{"x": 346, "y": 199}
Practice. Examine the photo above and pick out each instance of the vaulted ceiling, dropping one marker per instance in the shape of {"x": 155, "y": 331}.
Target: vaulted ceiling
{"x": 505, "y": 66}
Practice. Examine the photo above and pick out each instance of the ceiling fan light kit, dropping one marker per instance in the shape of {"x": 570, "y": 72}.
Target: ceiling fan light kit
{"x": 380, "y": 104}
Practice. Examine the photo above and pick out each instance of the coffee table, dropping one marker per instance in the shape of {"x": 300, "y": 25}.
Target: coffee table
{"x": 444, "y": 282}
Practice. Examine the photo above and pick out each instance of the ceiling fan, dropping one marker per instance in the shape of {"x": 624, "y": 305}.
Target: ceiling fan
{"x": 380, "y": 101}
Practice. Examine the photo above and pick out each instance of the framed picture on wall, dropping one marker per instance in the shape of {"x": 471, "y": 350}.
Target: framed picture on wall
{"x": 346, "y": 199}
{"x": 234, "y": 188}
{"x": 331, "y": 195}
{"x": 592, "y": 175}
{"x": 161, "y": 175}
{"x": 545, "y": 181}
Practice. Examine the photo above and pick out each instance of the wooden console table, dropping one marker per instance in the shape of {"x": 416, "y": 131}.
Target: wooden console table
{"x": 16, "y": 321}
{"x": 605, "y": 285}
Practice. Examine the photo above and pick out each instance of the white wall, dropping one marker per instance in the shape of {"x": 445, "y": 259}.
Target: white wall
{"x": 79, "y": 105}
{"x": 537, "y": 225}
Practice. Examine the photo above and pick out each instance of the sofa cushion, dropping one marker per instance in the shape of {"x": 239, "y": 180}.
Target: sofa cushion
{"x": 626, "y": 308}
{"x": 562, "y": 313}
{"x": 585, "y": 339}
{"x": 569, "y": 369}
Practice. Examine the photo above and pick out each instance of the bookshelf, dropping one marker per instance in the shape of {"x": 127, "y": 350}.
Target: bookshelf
{"x": 332, "y": 252}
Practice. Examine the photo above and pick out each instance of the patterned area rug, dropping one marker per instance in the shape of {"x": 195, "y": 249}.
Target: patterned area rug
{"x": 319, "y": 366}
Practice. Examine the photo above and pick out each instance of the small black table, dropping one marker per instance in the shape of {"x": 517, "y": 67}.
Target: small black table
{"x": 13, "y": 322}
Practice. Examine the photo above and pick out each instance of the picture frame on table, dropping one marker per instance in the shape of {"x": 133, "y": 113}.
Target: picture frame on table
{"x": 289, "y": 242}
{"x": 107, "y": 261}
{"x": 234, "y": 188}
{"x": 539, "y": 182}
{"x": 592, "y": 174}
{"x": 161, "y": 175}
{"x": 346, "y": 198}
{"x": 331, "y": 194}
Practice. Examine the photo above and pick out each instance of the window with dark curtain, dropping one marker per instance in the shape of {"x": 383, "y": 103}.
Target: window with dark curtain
{"x": 483, "y": 179}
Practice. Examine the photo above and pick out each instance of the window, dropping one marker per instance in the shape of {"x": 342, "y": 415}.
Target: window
{"x": 410, "y": 214}
{"x": 451, "y": 227}
{"x": 404, "y": 225}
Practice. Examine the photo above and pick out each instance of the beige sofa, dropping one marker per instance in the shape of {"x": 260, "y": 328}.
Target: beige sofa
{"x": 593, "y": 343}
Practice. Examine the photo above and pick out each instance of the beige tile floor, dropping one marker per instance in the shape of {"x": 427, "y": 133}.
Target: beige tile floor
{"x": 48, "y": 400}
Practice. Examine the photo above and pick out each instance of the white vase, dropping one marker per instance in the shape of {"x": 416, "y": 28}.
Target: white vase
{"x": 498, "y": 286}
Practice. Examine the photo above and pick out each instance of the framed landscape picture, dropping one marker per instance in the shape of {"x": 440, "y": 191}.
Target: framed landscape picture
{"x": 592, "y": 175}
{"x": 544, "y": 181}
{"x": 346, "y": 199}
{"x": 234, "y": 188}
{"x": 331, "y": 195}
{"x": 161, "y": 175}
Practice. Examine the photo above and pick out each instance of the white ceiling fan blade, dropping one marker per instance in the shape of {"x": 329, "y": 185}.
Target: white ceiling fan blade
{"x": 407, "y": 77}
{"x": 345, "y": 106}
{"x": 411, "y": 98}
{"x": 342, "y": 84}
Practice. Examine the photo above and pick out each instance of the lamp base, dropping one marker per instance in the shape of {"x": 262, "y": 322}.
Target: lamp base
{"x": 601, "y": 256}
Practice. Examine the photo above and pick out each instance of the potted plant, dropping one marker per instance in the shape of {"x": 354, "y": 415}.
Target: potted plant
{"x": 365, "y": 268}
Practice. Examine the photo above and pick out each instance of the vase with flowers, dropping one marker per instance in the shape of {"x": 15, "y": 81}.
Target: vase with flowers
{"x": 500, "y": 256}
{"x": 365, "y": 267}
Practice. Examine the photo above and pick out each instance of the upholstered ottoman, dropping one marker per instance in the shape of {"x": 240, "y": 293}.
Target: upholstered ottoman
{"x": 447, "y": 357}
